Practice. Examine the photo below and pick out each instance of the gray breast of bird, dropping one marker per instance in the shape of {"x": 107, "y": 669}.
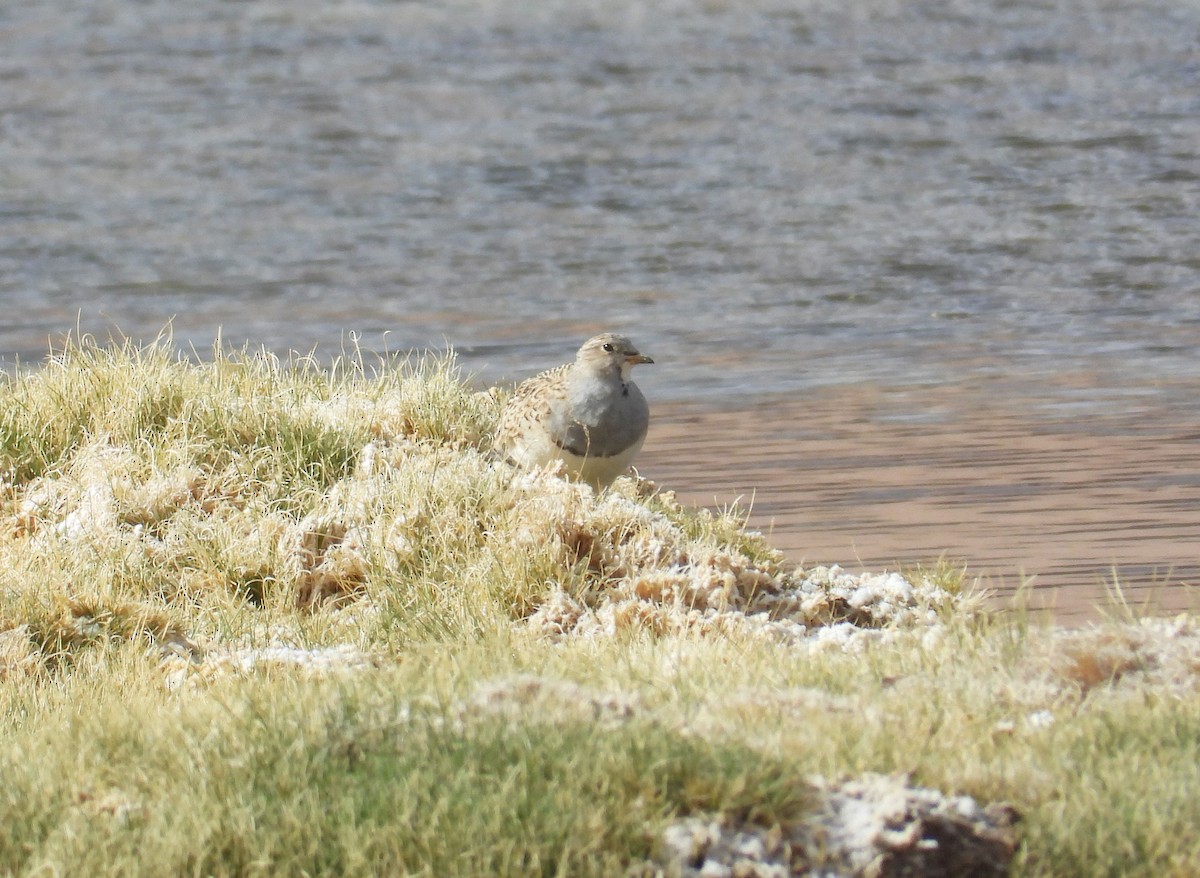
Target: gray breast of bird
{"x": 605, "y": 416}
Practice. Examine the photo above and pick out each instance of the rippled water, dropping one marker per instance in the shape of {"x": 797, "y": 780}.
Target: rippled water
{"x": 994, "y": 200}
{"x": 768, "y": 195}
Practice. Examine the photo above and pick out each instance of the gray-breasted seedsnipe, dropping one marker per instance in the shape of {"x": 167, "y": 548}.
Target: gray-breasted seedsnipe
{"x": 587, "y": 414}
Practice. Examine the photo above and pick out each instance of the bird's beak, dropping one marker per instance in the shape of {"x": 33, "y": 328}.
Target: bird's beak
{"x": 638, "y": 359}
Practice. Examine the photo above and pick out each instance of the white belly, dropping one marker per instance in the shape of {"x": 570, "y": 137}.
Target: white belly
{"x": 537, "y": 450}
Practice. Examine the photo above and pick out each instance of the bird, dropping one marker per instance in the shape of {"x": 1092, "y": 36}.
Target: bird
{"x": 587, "y": 414}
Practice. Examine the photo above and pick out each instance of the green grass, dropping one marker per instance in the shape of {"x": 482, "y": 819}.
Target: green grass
{"x": 341, "y": 777}
{"x": 530, "y": 679}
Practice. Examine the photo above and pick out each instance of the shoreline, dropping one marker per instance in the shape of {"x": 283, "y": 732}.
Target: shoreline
{"x": 322, "y": 574}
{"x": 872, "y": 477}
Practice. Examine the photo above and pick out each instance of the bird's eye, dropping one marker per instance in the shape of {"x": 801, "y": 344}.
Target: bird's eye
{"x": 608, "y": 347}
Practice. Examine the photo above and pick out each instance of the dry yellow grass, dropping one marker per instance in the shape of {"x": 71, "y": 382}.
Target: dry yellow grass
{"x": 269, "y": 618}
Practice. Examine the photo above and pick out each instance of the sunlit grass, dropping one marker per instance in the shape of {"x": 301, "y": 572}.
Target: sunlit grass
{"x": 261, "y": 617}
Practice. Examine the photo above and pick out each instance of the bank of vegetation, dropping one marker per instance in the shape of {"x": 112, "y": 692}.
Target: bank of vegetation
{"x": 267, "y": 618}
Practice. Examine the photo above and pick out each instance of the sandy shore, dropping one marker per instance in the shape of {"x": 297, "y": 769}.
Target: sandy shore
{"x": 871, "y": 477}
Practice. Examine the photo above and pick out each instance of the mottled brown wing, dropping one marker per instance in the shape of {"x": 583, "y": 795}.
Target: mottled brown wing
{"x": 531, "y": 405}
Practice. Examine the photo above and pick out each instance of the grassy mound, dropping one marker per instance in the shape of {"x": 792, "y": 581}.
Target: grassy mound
{"x": 275, "y": 618}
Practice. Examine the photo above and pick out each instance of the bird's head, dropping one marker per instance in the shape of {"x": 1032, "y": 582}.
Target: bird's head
{"x": 610, "y": 353}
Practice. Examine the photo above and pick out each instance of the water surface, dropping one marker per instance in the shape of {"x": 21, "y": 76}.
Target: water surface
{"x": 773, "y": 198}
{"x": 770, "y": 195}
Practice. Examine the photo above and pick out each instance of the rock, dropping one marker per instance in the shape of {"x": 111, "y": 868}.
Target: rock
{"x": 873, "y": 827}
